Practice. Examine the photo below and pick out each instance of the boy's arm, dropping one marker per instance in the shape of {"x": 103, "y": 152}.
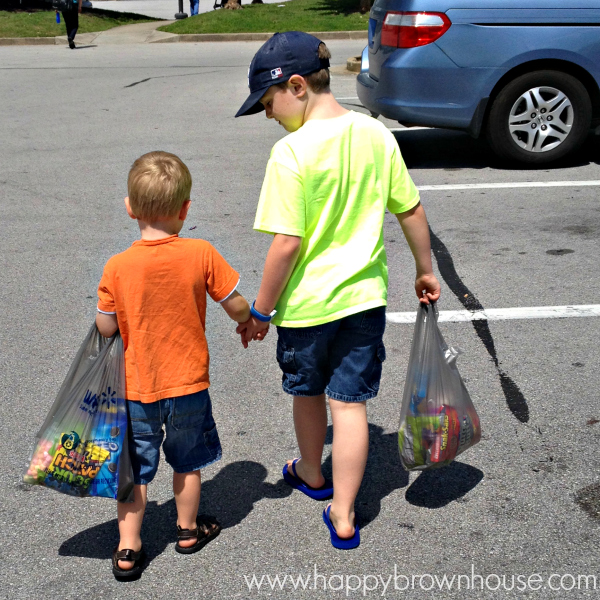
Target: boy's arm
{"x": 416, "y": 230}
{"x": 107, "y": 324}
{"x": 279, "y": 264}
{"x": 236, "y": 306}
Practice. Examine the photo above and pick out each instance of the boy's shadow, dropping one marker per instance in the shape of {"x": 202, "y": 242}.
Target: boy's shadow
{"x": 229, "y": 496}
{"x": 384, "y": 474}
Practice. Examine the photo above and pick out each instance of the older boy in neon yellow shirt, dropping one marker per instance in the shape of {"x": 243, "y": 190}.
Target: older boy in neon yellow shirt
{"x": 324, "y": 197}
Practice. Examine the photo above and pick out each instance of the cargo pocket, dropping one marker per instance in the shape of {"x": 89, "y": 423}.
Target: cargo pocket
{"x": 377, "y": 367}
{"x": 381, "y": 352}
{"x": 212, "y": 443}
{"x": 287, "y": 361}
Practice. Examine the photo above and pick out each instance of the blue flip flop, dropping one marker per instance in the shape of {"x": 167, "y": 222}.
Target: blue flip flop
{"x": 336, "y": 540}
{"x": 323, "y": 493}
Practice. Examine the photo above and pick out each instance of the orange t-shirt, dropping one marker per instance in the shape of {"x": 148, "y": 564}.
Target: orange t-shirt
{"x": 158, "y": 291}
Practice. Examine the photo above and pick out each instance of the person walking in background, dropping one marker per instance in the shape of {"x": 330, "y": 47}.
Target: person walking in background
{"x": 71, "y": 19}
{"x": 194, "y": 5}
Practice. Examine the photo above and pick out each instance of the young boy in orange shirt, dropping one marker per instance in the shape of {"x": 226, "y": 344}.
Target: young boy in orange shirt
{"x": 154, "y": 293}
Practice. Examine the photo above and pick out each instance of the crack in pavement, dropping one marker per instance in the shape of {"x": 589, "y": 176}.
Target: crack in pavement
{"x": 166, "y": 77}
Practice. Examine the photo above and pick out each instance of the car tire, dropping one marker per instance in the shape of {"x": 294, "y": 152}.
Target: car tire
{"x": 539, "y": 117}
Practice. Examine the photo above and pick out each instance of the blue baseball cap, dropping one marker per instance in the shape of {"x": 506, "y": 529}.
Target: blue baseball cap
{"x": 280, "y": 57}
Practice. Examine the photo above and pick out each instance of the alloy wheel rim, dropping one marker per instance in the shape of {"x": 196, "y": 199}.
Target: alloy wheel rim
{"x": 541, "y": 119}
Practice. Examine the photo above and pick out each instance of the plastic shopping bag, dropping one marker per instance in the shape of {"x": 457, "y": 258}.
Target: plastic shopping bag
{"x": 82, "y": 448}
{"x": 438, "y": 420}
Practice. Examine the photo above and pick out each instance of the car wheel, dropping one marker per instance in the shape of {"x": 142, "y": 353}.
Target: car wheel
{"x": 539, "y": 117}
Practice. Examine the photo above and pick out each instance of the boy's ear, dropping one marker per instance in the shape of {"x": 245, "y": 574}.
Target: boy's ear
{"x": 184, "y": 210}
{"x": 298, "y": 85}
{"x": 128, "y": 207}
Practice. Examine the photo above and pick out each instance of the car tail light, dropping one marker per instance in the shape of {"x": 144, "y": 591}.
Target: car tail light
{"x": 411, "y": 29}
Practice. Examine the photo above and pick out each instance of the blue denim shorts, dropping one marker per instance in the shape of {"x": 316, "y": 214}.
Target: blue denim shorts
{"x": 342, "y": 359}
{"x": 187, "y": 426}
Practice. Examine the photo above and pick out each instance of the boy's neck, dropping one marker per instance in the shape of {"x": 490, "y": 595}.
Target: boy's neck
{"x": 159, "y": 230}
{"x": 323, "y": 106}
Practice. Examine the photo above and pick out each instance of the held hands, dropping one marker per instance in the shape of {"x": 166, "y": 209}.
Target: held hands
{"x": 252, "y": 329}
{"x": 427, "y": 288}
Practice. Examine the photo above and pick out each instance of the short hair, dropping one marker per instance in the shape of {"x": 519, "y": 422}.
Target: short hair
{"x": 319, "y": 80}
{"x": 158, "y": 185}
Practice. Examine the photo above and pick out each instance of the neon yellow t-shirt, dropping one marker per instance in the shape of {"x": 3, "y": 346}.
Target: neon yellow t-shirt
{"x": 330, "y": 183}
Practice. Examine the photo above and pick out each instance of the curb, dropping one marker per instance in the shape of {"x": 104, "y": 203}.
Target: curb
{"x": 41, "y": 41}
{"x": 256, "y": 37}
{"x": 192, "y": 37}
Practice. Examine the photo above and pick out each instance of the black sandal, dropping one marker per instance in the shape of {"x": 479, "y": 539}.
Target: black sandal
{"x": 207, "y": 529}
{"x": 137, "y": 558}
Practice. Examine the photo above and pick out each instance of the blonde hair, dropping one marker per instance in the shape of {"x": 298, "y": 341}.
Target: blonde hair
{"x": 158, "y": 185}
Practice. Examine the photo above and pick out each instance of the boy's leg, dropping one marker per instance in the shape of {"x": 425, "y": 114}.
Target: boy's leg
{"x": 349, "y": 458}
{"x": 191, "y": 443}
{"x": 356, "y": 361}
{"x": 186, "y": 488}
{"x": 131, "y": 515}
{"x": 310, "y": 422}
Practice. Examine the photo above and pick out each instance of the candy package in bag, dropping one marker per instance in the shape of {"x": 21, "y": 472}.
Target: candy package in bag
{"x": 438, "y": 420}
{"x": 82, "y": 448}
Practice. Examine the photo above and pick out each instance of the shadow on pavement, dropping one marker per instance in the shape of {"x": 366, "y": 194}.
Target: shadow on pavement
{"x": 384, "y": 474}
{"x": 229, "y": 496}
{"x": 438, "y": 487}
{"x": 455, "y": 150}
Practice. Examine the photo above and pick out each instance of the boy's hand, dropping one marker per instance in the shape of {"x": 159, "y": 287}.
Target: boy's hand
{"x": 252, "y": 329}
{"x": 427, "y": 288}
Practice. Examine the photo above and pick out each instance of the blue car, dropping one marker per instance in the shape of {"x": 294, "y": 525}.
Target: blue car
{"x": 524, "y": 73}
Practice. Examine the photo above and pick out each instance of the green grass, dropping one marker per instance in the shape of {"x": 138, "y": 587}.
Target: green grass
{"x": 302, "y": 15}
{"x": 42, "y": 23}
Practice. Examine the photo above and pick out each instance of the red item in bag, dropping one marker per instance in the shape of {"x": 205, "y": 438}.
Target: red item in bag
{"x": 445, "y": 444}
{"x": 455, "y": 436}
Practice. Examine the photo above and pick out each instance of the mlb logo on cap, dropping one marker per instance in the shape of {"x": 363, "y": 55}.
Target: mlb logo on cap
{"x": 275, "y": 73}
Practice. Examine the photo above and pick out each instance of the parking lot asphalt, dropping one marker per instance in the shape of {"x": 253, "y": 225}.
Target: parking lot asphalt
{"x": 522, "y": 503}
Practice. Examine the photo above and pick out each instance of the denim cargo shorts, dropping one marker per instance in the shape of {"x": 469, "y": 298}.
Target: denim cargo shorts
{"x": 342, "y": 359}
{"x": 187, "y": 426}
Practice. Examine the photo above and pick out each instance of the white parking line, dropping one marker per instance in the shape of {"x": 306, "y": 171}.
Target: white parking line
{"x": 416, "y": 128}
{"x": 502, "y": 314}
{"x": 516, "y": 184}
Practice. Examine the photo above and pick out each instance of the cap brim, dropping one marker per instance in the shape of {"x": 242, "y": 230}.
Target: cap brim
{"x": 252, "y": 104}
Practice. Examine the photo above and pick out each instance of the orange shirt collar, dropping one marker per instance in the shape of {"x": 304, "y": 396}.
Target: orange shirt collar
{"x": 165, "y": 240}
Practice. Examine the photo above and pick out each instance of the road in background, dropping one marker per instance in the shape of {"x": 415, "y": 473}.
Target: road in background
{"x": 71, "y": 125}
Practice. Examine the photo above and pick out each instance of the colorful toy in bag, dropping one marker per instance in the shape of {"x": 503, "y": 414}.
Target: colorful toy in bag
{"x": 82, "y": 448}
{"x": 438, "y": 420}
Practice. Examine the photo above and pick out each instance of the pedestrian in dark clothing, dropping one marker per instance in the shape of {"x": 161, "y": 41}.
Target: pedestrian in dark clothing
{"x": 71, "y": 19}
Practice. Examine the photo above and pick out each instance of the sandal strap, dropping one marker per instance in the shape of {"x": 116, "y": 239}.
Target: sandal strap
{"x": 205, "y": 526}
{"x": 208, "y": 525}
{"x": 186, "y": 534}
{"x": 294, "y": 468}
{"x": 127, "y": 555}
